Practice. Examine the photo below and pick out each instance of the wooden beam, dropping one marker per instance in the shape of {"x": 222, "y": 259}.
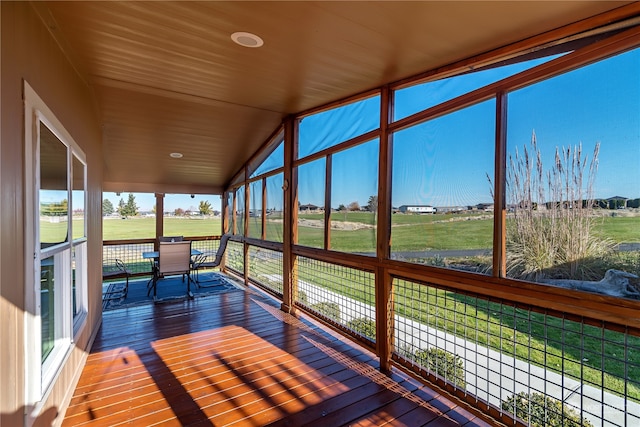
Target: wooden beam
{"x": 597, "y": 51}
{"x": 500, "y": 179}
{"x": 524, "y": 46}
{"x": 327, "y": 201}
{"x": 383, "y": 282}
{"x": 224, "y": 208}
{"x": 224, "y": 211}
{"x": 159, "y": 218}
{"x": 290, "y": 226}
{"x": 263, "y": 217}
{"x": 247, "y": 206}
{"x": 234, "y": 214}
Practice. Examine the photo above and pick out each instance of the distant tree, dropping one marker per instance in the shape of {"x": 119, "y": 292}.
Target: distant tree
{"x": 603, "y": 204}
{"x": 153, "y": 209}
{"x": 205, "y": 207}
{"x": 616, "y": 204}
{"x": 121, "y": 206}
{"x": 342, "y": 207}
{"x": 372, "y": 204}
{"x": 55, "y": 208}
{"x": 130, "y": 208}
{"x": 353, "y": 206}
{"x": 178, "y": 212}
{"x": 107, "y": 207}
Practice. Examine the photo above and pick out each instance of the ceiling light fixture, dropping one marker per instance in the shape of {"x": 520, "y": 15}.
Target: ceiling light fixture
{"x": 176, "y": 155}
{"x": 247, "y": 39}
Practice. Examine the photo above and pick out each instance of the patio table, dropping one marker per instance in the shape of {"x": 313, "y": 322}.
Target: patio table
{"x": 154, "y": 255}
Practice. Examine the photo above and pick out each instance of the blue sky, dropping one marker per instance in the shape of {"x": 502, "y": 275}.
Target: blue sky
{"x": 445, "y": 162}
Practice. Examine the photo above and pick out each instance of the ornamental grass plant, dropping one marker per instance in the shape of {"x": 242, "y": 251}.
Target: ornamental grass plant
{"x": 550, "y": 228}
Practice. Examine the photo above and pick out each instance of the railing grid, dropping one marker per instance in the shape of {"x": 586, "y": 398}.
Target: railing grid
{"x": 235, "y": 256}
{"x": 208, "y": 247}
{"x": 344, "y": 295}
{"x": 265, "y": 268}
{"x": 539, "y": 366}
{"x": 130, "y": 254}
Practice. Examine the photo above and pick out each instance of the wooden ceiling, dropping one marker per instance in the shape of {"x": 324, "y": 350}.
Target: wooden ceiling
{"x": 167, "y": 77}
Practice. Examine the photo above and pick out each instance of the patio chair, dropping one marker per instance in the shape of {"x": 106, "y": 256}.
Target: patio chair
{"x": 205, "y": 261}
{"x": 171, "y": 239}
{"x": 174, "y": 258}
{"x": 112, "y": 268}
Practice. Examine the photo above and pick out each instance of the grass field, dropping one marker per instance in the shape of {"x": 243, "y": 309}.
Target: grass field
{"x": 408, "y": 232}
{"x": 141, "y": 228}
{"x": 356, "y": 232}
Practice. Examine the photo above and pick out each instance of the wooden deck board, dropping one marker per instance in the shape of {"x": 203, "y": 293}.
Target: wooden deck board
{"x": 236, "y": 360}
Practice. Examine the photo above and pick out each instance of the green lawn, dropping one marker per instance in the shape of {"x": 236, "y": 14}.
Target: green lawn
{"x": 145, "y": 227}
{"x": 409, "y": 232}
{"x": 620, "y": 229}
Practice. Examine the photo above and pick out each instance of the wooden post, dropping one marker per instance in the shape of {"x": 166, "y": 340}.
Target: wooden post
{"x": 159, "y": 218}
{"x": 383, "y": 281}
{"x": 327, "y": 201}
{"x": 500, "y": 206}
{"x": 234, "y": 213}
{"x": 247, "y": 205}
{"x": 224, "y": 211}
{"x": 290, "y": 231}
{"x": 263, "y": 218}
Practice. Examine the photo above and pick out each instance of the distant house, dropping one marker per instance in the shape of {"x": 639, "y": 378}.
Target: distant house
{"x": 484, "y": 206}
{"x": 309, "y": 208}
{"x": 451, "y": 209}
{"x": 419, "y": 209}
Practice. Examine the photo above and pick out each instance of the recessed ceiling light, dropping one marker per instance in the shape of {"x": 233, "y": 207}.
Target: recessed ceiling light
{"x": 247, "y": 39}
{"x": 176, "y": 155}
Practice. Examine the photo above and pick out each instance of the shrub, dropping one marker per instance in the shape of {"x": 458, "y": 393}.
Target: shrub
{"x": 543, "y": 411}
{"x": 436, "y": 261}
{"x": 441, "y": 362}
{"x": 302, "y": 297}
{"x": 329, "y": 309}
{"x": 363, "y": 326}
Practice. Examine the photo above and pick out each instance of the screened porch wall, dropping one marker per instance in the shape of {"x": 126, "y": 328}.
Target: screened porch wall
{"x": 446, "y": 313}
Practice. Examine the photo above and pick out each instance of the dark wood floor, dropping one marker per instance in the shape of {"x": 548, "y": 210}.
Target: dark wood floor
{"x": 236, "y": 359}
